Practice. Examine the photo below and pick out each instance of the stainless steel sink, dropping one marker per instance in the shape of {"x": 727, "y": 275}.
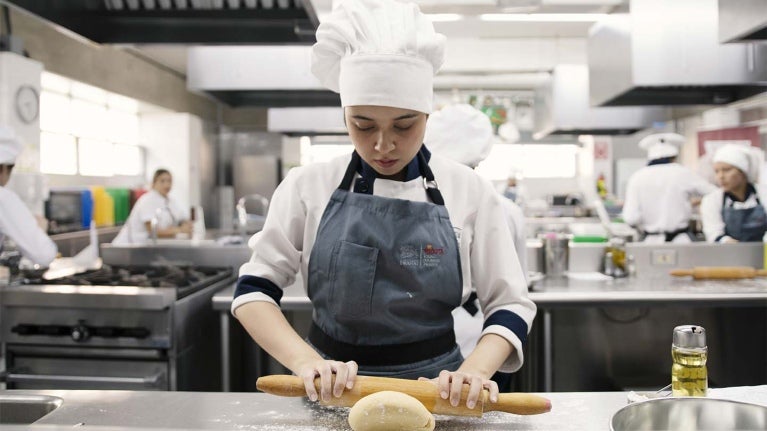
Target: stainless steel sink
{"x": 26, "y": 409}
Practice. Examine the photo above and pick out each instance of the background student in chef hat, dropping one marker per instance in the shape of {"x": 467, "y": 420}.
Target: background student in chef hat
{"x": 660, "y": 196}
{"x": 16, "y": 220}
{"x": 464, "y": 134}
{"x": 735, "y": 212}
{"x": 389, "y": 239}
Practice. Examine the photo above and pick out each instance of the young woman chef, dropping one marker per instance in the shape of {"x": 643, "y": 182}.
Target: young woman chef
{"x": 155, "y": 204}
{"x": 735, "y": 212}
{"x": 16, "y": 221}
{"x": 387, "y": 252}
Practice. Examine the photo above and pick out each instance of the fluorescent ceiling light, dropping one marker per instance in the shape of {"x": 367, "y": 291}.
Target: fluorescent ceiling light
{"x": 543, "y": 17}
{"x": 444, "y": 17}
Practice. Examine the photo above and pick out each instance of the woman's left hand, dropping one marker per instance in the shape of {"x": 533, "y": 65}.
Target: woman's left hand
{"x": 450, "y": 386}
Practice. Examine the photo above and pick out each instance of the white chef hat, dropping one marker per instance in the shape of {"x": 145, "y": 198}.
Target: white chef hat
{"x": 662, "y": 145}
{"x": 10, "y": 147}
{"x": 741, "y": 157}
{"x": 460, "y": 132}
{"x": 379, "y": 52}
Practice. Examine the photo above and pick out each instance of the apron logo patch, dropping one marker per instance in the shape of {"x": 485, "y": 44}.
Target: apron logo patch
{"x": 420, "y": 256}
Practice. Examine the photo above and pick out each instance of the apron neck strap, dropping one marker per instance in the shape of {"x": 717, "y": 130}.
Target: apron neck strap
{"x": 429, "y": 183}
{"x": 428, "y": 177}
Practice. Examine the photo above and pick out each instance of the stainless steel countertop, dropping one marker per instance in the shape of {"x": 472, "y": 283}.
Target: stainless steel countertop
{"x": 564, "y": 292}
{"x": 263, "y": 412}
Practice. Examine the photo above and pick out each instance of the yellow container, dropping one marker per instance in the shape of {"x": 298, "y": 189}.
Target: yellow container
{"x": 765, "y": 255}
{"x": 103, "y": 207}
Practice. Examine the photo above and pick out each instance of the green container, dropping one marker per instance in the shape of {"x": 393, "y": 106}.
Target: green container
{"x": 121, "y": 198}
{"x": 589, "y": 239}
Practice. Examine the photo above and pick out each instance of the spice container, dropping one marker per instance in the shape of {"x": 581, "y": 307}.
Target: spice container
{"x": 689, "y": 375}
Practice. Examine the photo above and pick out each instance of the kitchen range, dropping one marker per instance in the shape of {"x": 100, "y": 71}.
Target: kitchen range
{"x": 119, "y": 327}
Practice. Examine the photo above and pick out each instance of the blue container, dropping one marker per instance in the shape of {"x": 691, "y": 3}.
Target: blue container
{"x": 86, "y": 200}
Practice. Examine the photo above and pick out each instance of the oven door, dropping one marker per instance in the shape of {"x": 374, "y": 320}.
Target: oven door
{"x": 38, "y": 367}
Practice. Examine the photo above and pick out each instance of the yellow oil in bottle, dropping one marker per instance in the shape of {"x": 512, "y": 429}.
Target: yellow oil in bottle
{"x": 689, "y": 375}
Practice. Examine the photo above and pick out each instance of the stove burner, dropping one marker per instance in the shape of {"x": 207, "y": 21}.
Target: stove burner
{"x": 140, "y": 276}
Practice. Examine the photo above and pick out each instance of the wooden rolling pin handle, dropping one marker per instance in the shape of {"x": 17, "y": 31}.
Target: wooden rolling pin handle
{"x": 761, "y": 272}
{"x": 424, "y": 391}
{"x": 682, "y": 272}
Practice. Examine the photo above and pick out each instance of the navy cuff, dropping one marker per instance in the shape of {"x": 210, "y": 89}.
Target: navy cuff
{"x": 251, "y": 283}
{"x": 719, "y": 238}
{"x": 510, "y": 320}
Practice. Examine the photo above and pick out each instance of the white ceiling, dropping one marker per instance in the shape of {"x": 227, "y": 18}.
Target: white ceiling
{"x": 475, "y": 46}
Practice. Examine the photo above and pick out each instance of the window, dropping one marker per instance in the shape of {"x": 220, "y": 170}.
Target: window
{"x": 60, "y": 153}
{"x": 531, "y": 161}
{"x": 87, "y": 131}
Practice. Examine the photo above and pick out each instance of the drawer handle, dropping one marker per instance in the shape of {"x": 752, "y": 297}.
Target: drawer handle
{"x": 146, "y": 381}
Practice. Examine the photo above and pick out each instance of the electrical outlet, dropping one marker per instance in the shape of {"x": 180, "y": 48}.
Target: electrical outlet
{"x": 663, "y": 257}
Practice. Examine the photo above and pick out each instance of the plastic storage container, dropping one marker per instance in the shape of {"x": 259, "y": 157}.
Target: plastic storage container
{"x": 86, "y": 202}
{"x": 103, "y": 207}
{"x": 121, "y": 198}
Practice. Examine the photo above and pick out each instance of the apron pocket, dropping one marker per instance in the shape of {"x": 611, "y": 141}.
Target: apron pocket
{"x": 352, "y": 279}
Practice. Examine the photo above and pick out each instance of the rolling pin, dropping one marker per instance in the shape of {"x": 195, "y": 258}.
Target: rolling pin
{"x": 425, "y": 391}
{"x": 720, "y": 272}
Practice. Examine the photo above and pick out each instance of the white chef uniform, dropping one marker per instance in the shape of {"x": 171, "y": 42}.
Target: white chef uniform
{"x": 386, "y": 53}
{"x": 658, "y": 195}
{"x": 464, "y": 134}
{"x": 16, "y": 220}
{"x": 148, "y": 206}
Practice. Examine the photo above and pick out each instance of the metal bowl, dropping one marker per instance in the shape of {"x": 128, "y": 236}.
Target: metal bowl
{"x": 681, "y": 414}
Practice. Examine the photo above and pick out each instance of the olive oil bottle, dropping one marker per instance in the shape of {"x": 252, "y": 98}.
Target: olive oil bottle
{"x": 689, "y": 375}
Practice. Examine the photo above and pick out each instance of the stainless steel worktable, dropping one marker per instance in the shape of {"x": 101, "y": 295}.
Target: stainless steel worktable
{"x": 549, "y": 293}
{"x": 263, "y": 412}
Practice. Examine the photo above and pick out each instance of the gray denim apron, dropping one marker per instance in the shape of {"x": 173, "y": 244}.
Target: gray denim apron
{"x": 384, "y": 276}
{"x": 745, "y": 225}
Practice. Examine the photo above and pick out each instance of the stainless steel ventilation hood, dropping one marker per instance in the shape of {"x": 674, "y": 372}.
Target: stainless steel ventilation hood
{"x": 668, "y": 53}
{"x": 250, "y": 22}
{"x": 562, "y": 108}
{"x": 742, "y": 20}
{"x": 266, "y": 76}
{"x": 306, "y": 121}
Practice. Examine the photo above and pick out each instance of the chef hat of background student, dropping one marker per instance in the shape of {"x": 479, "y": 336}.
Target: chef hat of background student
{"x": 742, "y": 157}
{"x": 460, "y": 132}
{"x": 379, "y": 52}
{"x": 662, "y": 145}
{"x": 10, "y": 146}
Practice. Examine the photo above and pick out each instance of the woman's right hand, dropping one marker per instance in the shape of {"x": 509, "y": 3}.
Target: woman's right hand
{"x": 345, "y": 373}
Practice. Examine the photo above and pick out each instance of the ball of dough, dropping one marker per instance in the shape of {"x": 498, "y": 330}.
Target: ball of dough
{"x": 388, "y": 411}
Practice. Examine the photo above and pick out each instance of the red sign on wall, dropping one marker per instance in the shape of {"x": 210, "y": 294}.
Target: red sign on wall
{"x": 710, "y": 140}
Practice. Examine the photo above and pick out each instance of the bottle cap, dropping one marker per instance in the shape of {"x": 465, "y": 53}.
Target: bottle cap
{"x": 689, "y": 336}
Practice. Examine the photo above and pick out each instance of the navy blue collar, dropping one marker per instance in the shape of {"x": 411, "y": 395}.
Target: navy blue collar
{"x": 369, "y": 175}
{"x": 750, "y": 190}
{"x": 661, "y": 161}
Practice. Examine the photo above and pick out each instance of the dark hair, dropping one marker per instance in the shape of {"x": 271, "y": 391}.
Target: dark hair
{"x": 157, "y": 174}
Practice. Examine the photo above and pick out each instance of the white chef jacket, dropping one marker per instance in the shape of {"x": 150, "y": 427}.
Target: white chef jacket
{"x": 468, "y": 328}
{"x": 711, "y": 211}
{"x": 489, "y": 261}
{"x": 658, "y": 197}
{"x": 18, "y": 223}
{"x": 146, "y": 207}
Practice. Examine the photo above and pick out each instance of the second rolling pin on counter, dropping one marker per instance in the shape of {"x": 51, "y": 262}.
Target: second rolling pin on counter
{"x": 720, "y": 272}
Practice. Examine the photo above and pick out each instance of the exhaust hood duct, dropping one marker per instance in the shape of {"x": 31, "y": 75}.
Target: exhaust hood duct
{"x": 182, "y": 22}
{"x": 668, "y": 53}
{"x": 306, "y": 121}
{"x": 265, "y": 76}
{"x": 562, "y": 108}
{"x": 742, "y": 20}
